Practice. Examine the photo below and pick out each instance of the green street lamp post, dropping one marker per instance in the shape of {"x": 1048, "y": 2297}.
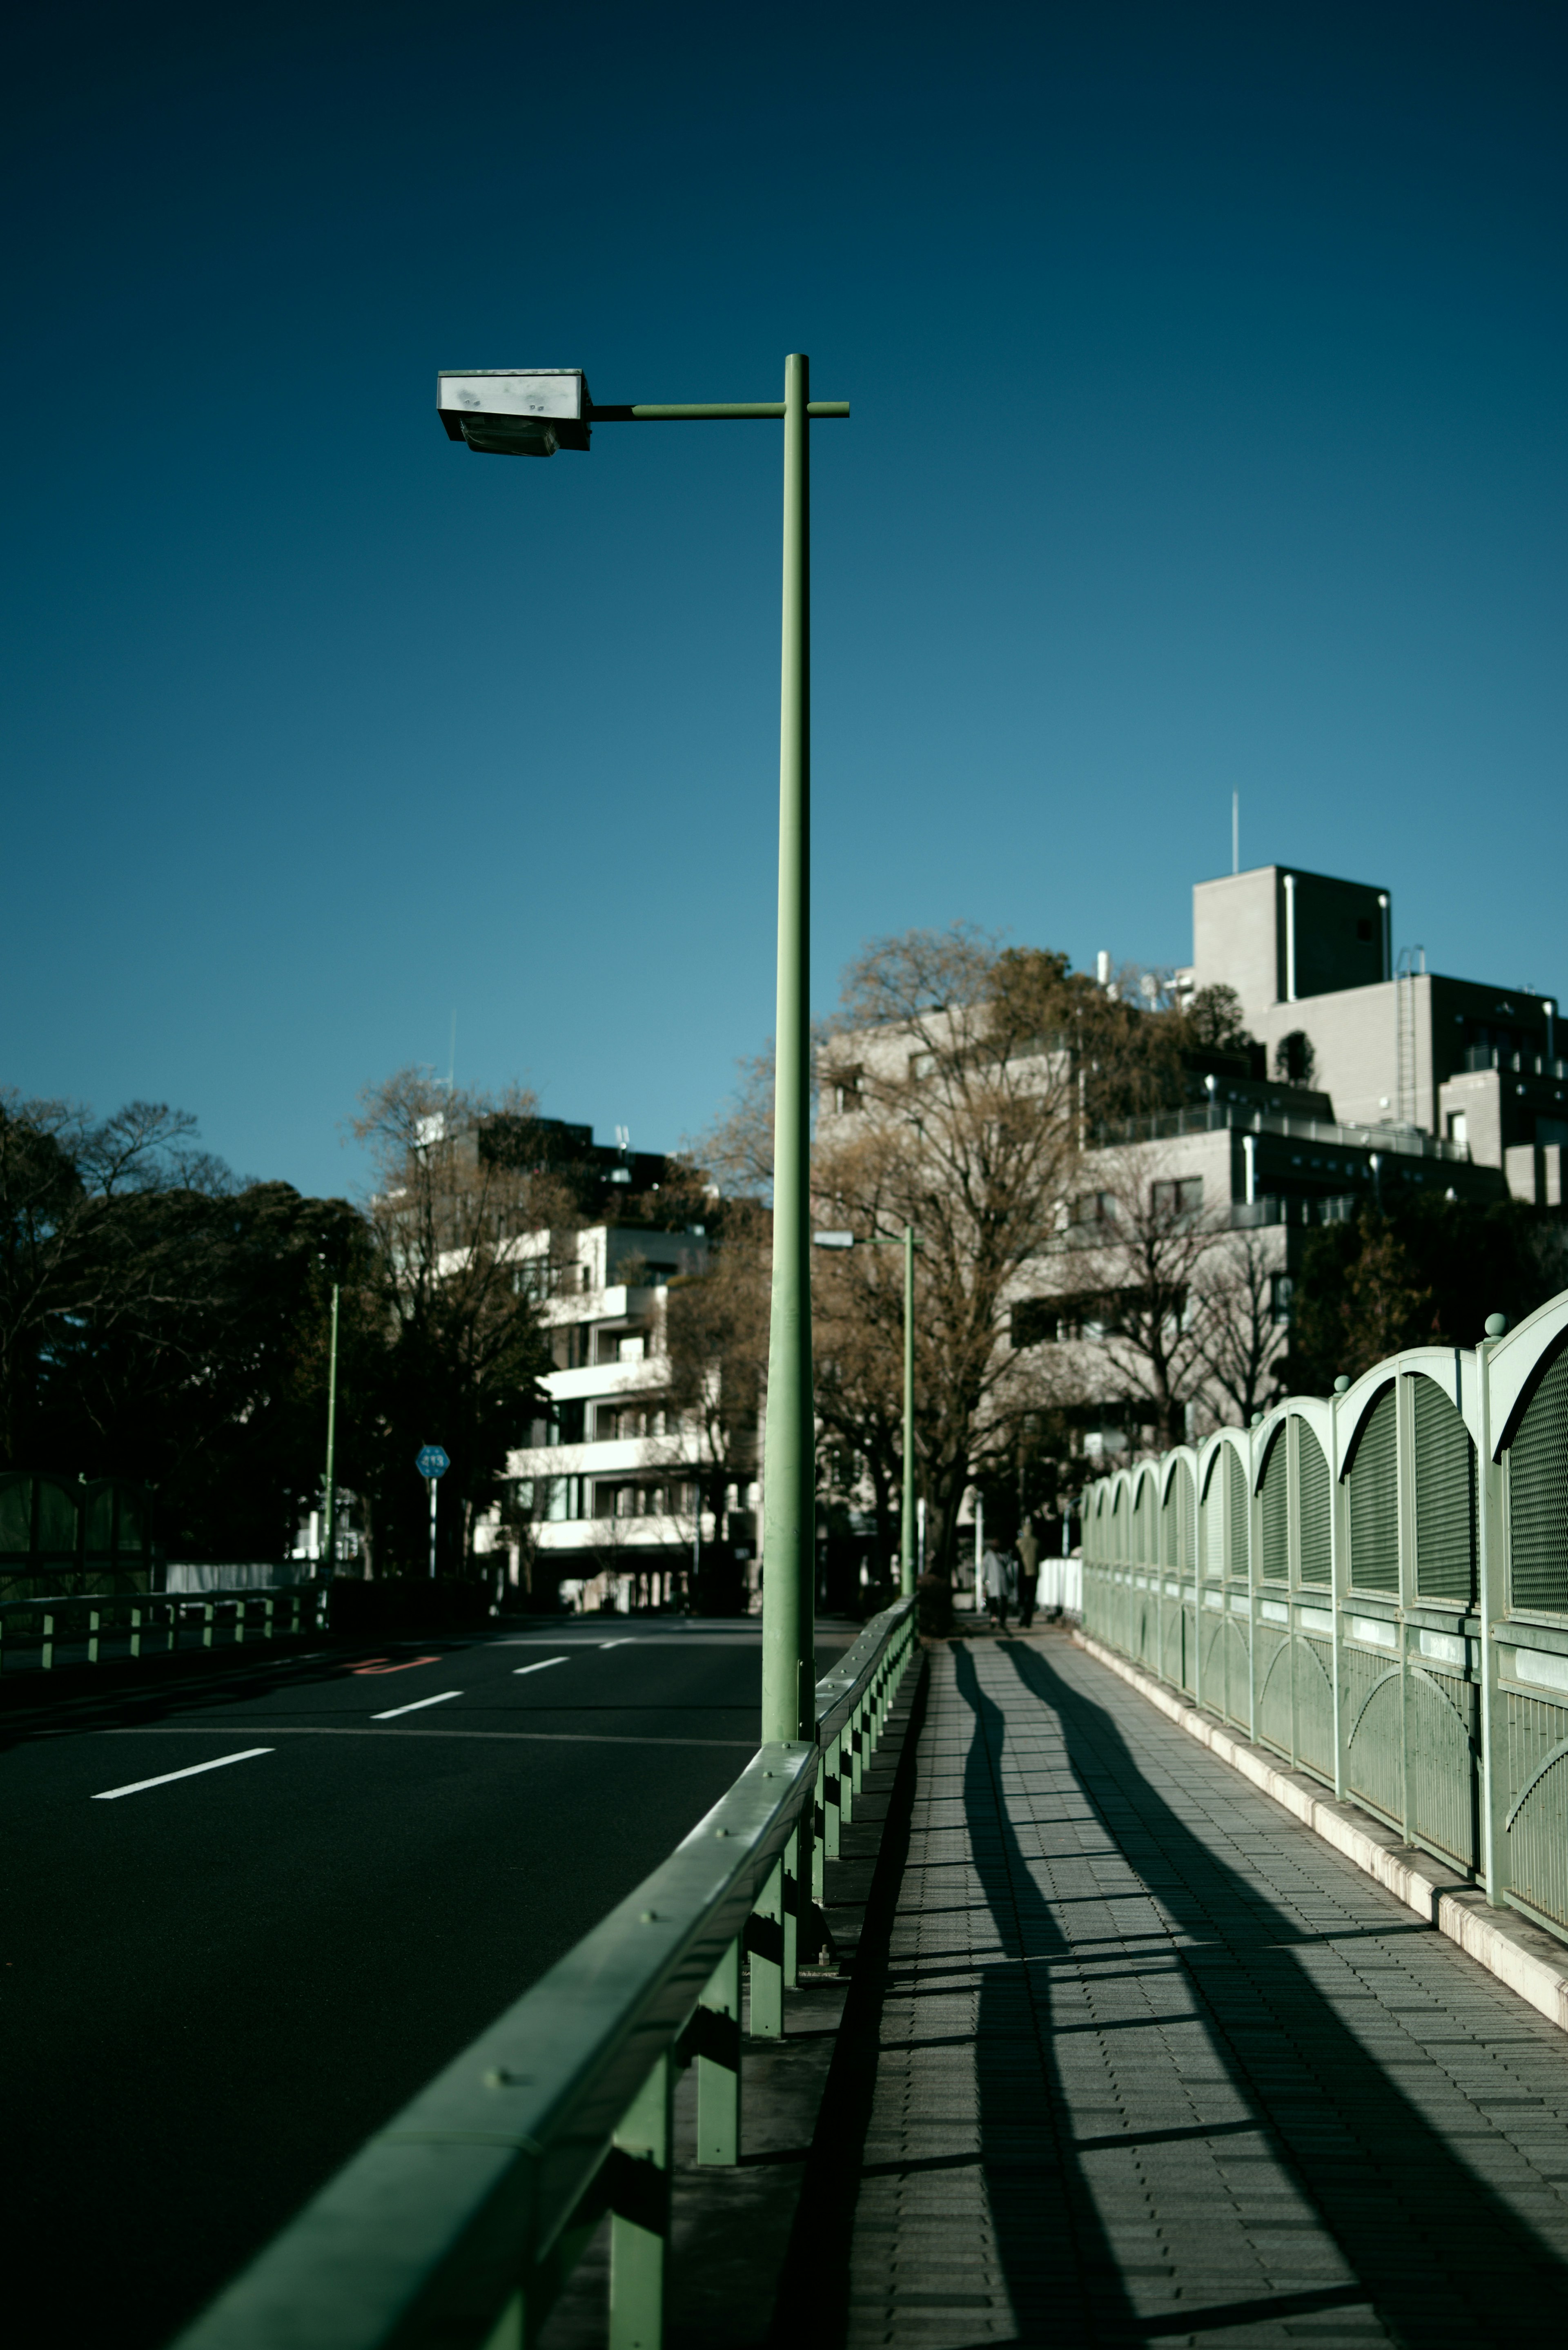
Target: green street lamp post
{"x": 330, "y": 1541}
{"x": 908, "y": 1243}
{"x": 533, "y": 412}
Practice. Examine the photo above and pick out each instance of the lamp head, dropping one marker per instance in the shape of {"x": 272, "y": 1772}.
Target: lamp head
{"x": 516, "y": 411}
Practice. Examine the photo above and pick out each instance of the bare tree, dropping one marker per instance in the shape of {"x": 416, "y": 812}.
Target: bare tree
{"x": 954, "y": 1110}
{"x": 1239, "y": 1333}
{"x": 716, "y": 1352}
{"x": 459, "y": 1342}
{"x": 1145, "y": 1239}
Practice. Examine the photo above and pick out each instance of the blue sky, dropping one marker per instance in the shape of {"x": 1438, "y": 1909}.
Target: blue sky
{"x": 1207, "y": 368}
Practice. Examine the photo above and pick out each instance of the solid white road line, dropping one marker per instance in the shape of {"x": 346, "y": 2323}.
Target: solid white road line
{"x": 618, "y": 1644}
{"x": 112, "y": 1794}
{"x": 543, "y": 1666}
{"x": 419, "y": 1704}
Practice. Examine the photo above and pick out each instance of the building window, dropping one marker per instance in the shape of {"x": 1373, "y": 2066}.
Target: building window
{"x": 1094, "y": 1208}
{"x": 1281, "y": 1290}
{"x": 1034, "y": 1322}
{"x": 921, "y": 1065}
{"x": 1182, "y": 1196}
{"x": 845, "y": 1087}
{"x": 1459, "y": 1126}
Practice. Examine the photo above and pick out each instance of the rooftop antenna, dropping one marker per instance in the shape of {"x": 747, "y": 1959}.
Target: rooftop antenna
{"x": 1235, "y": 832}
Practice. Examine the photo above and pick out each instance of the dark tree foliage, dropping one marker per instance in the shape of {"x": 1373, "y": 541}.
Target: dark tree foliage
{"x": 159, "y": 1321}
{"x": 1425, "y": 1273}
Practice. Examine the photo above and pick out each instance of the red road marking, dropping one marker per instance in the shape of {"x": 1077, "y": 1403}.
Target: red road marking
{"x": 380, "y": 1665}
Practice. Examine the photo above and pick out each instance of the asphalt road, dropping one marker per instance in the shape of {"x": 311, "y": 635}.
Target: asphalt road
{"x": 217, "y": 1980}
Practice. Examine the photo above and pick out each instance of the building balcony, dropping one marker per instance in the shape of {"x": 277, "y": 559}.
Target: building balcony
{"x": 1396, "y": 1141}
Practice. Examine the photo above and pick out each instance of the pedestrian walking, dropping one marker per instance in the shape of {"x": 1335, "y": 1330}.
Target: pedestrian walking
{"x": 1028, "y": 1573}
{"x": 996, "y": 1573}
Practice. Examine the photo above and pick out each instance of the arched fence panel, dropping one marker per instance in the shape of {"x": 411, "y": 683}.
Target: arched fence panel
{"x": 1375, "y": 1587}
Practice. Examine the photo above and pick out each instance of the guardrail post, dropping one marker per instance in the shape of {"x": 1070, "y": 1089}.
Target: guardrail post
{"x": 792, "y": 1908}
{"x": 209, "y": 1617}
{"x": 832, "y": 1796}
{"x": 92, "y": 1635}
{"x": 819, "y": 1834}
{"x": 765, "y": 1944}
{"x": 640, "y": 2220}
{"x": 49, "y": 1647}
{"x": 240, "y": 1623}
{"x": 1492, "y": 1575}
{"x": 718, "y": 2062}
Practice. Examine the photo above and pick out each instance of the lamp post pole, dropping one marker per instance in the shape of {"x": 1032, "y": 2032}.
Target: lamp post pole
{"x": 789, "y": 1516}
{"x": 330, "y": 1545}
{"x": 534, "y": 412}
{"x": 907, "y": 1513}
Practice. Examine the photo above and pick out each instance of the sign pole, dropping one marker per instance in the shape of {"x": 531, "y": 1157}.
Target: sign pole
{"x": 432, "y": 1464}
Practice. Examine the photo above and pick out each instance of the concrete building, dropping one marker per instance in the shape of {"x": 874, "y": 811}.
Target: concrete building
{"x": 613, "y": 1491}
{"x": 1393, "y": 1044}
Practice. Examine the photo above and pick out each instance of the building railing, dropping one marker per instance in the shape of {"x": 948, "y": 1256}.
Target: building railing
{"x": 1519, "y": 1064}
{"x": 1339, "y": 1208}
{"x": 457, "y": 2224}
{"x": 1399, "y": 1142}
{"x": 153, "y": 1624}
{"x": 1374, "y": 1587}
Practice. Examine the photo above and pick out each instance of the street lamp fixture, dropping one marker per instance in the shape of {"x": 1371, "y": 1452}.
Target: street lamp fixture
{"x": 533, "y": 412}
{"x": 516, "y": 411}
{"x": 906, "y": 1240}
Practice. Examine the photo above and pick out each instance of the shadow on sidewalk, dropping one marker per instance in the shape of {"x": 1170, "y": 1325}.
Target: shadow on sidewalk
{"x": 1439, "y": 2255}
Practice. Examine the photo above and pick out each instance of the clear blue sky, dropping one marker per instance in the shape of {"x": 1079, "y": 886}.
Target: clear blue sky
{"x": 1209, "y": 387}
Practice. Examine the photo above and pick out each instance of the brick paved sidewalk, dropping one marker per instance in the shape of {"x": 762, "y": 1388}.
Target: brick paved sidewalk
{"x": 1155, "y": 2064}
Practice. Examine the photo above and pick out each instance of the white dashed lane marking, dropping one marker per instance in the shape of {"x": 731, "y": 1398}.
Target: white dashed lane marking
{"x": 193, "y": 1770}
{"x": 418, "y": 1706}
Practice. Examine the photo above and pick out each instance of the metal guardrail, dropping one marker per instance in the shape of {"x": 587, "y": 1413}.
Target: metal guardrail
{"x": 1375, "y": 1585}
{"x": 153, "y": 1620}
{"x": 457, "y": 2224}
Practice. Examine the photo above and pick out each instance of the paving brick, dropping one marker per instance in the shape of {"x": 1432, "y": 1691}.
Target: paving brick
{"x": 1150, "y": 2052}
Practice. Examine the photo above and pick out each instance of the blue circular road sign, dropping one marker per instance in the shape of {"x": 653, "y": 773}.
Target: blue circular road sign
{"x": 432, "y": 1462}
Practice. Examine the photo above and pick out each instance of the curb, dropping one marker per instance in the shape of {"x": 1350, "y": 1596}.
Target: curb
{"x": 1520, "y": 1954}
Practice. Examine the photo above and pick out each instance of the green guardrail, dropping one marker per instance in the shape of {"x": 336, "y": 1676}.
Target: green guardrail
{"x": 457, "y": 2224}
{"x": 155, "y": 1621}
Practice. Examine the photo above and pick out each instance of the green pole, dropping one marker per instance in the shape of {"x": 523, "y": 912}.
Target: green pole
{"x": 907, "y": 1517}
{"x": 329, "y": 1547}
{"x": 789, "y": 1522}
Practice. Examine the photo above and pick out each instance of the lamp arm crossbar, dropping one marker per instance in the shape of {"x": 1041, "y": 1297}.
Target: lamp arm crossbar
{"x": 707, "y": 411}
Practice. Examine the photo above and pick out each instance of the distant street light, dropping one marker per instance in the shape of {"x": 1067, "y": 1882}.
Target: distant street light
{"x": 908, "y": 1243}
{"x": 533, "y": 412}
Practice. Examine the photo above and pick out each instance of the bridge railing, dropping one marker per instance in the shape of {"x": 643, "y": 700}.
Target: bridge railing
{"x": 458, "y": 2222}
{"x": 1374, "y": 1587}
{"x": 153, "y": 1623}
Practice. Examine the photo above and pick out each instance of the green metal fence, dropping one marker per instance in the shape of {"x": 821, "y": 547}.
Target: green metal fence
{"x": 1376, "y": 1588}
{"x": 86, "y": 1629}
{"x": 458, "y": 2222}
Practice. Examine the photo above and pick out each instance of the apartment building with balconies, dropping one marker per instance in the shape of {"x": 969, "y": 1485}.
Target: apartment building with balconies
{"x": 614, "y": 1499}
